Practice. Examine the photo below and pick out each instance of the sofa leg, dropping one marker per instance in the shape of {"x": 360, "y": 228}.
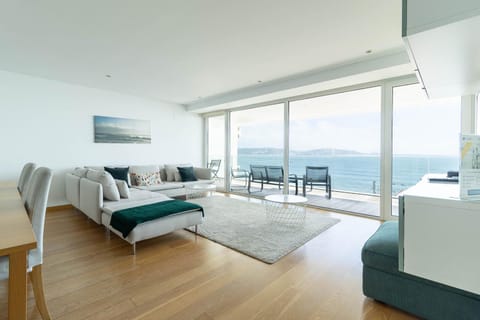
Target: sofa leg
{"x": 107, "y": 232}
{"x": 196, "y": 229}
{"x": 134, "y": 248}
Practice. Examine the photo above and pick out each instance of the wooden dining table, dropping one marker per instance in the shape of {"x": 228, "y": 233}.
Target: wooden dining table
{"x": 16, "y": 239}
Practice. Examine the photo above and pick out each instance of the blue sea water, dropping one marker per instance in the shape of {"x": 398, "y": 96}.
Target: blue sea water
{"x": 360, "y": 173}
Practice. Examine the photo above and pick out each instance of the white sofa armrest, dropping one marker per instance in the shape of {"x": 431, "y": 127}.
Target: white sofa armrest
{"x": 72, "y": 189}
{"x": 203, "y": 173}
{"x": 91, "y": 199}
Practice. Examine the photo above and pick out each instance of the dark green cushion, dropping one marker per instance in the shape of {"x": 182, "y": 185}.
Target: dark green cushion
{"x": 187, "y": 174}
{"x": 381, "y": 250}
{"x": 119, "y": 173}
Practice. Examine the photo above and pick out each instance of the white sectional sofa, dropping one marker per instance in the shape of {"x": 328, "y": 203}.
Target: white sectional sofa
{"x": 87, "y": 196}
{"x": 172, "y": 187}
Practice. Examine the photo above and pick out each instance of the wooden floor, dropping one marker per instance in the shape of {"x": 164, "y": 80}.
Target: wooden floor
{"x": 183, "y": 276}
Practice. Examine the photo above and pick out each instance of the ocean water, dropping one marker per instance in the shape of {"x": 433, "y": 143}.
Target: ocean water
{"x": 360, "y": 173}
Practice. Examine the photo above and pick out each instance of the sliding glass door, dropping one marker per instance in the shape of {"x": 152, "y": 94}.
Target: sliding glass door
{"x": 426, "y": 135}
{"x": 376, "y": 140}
{"x": 339, "y": 132}
{"x": 257, "y": 148}
{"x": 216, "y": 145}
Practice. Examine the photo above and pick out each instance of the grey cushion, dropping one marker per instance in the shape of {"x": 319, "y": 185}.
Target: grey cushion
{"x": 122, "y": 188}
{"x": 80, "y": 172}
{"x": 110, "y": 190}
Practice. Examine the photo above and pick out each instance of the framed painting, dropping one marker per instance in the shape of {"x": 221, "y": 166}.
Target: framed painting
{"x": 121, "y": 130}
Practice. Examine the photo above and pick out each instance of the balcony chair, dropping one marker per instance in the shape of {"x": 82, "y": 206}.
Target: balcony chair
{"x": 258, "y": 174}
{"x": 214, "y": 165}
{"x": 275, "y": 176}
{"x": 317, "y": 176}
{"x": 36, "y": 204}
{"x": 24, "y": 179}
{"x": 240, "y": 174}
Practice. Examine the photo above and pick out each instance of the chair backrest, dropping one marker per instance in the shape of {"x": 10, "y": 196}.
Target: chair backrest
{"x": 275, "y": 173}
{"x": 25, "y": 176}
{"x": 214, "y": 165}
{"x": 316, "y": 174}
{"x": 36, "y": 206}
{"x": 239, "y": 173}
{"x": 258, "y": 172}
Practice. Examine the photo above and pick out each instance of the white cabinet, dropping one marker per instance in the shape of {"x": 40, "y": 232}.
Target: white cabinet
{"x": 440, "y": 235}
{"x": 443, "y": 42}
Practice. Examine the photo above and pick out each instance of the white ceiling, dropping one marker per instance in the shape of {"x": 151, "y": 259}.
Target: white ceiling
{"x": 186, "y": 51}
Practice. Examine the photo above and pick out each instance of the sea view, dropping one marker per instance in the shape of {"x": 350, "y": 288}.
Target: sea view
{"x": 357, "y": 172}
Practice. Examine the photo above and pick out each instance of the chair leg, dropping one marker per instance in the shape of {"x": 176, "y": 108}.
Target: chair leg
{"x": 134, "y": 249}
{"x": 37, "y": 284}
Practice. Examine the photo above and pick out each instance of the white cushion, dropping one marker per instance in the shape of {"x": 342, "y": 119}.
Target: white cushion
{"x": 145, "y": 175}
{"x": 147, "y": 179}
{"x": 80, "y": 172}
{"x": 122, "y": 188}
{"x": 172, "y": 171}
{"x": 110, "y": 190}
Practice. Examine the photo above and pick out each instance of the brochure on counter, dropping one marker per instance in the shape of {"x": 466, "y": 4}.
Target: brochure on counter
{"x": 470, "y": 167}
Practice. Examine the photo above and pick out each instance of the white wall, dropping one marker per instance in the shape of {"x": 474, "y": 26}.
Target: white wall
{"x": 51, "y": 123}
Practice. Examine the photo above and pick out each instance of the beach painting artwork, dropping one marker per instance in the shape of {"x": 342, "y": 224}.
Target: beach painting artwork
{"x": 121, "y": 130}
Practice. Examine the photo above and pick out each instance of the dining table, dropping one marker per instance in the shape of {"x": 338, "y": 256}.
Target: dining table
{"x": 16, "y": 239}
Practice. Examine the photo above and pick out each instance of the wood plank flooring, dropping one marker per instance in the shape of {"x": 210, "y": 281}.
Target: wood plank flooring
{"x": 183, "y": 276}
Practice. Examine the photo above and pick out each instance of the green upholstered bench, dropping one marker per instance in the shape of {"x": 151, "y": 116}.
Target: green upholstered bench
{"x": 383, "y": 281}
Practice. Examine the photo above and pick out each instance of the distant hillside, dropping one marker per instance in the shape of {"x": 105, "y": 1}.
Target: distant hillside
{"x": 271, "y": 151}
{"x": 314, "y": 152}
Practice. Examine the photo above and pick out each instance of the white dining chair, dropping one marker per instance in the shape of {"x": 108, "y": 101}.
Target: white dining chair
{"x": 36, "y": 205}
{"x": 24, "y": 179}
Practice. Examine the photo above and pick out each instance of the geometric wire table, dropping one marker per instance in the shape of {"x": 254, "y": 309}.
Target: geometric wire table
{"x": 287, "y": 210}
{"x": 199, "y": 190}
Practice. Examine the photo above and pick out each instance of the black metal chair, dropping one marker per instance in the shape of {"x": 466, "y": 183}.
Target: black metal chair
{"x": 275, "y": 175}
{"x": 258, "y": 174}
{"x": 241, "y": 174}
{"x": 317, "y": 176}
{"x": 214, "y": 165}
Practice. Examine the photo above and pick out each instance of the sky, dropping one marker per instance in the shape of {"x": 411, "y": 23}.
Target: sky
{"x": 420, "y": 126}
{"x": 416, "y": 131}
{"x": 351, "y": 121}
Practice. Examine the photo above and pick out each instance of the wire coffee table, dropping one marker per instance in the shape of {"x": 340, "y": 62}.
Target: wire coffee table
{"x": 286, "y": 209}
{"x": 199, "y": 190}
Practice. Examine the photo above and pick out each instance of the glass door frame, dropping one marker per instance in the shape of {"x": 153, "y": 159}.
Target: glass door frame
{"x": 386, "y": 159}
{"x": 386, "y": 132}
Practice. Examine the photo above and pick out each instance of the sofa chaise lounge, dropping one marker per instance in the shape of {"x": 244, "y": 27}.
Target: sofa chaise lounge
{"x": 88, "y": 196}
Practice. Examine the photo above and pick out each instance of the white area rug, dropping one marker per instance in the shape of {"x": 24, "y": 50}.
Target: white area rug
{"x": 244, "y": 226}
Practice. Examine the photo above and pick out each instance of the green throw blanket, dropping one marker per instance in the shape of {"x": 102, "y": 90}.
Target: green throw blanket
{"x": 127, "y": 219}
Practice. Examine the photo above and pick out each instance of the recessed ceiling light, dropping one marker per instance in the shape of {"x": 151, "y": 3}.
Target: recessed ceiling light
{"x": 368, "y": 51}
{"x": 259, "y": 81}
{"x": 108, "y": 76}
